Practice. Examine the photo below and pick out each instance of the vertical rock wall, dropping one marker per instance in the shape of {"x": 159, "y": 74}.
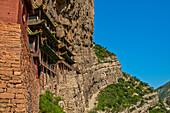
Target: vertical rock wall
{"x": 16, "y": 72}
{"x": 75, "y": 20}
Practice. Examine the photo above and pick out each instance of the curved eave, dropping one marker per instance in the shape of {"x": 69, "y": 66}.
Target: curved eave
{"x": 66, "y": 49}
{"x": 29, "y": 32}
{"x": 53, "y": 33}
{"x": 69, "y": 44}
{"x": 51, "y": 53}
{"x": 48, "y": 19}
{"x": 75, "y": 62}
{"x": 67, "y": 58}
{"x": 36, "y": 6}
{"x": 34, "y": 33}
{"x": 41, "y": 25}
{"x": 44, "y": 15}
{"x": 37, "y": 23}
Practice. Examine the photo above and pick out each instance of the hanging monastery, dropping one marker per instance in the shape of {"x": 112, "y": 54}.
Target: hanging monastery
{"x": 51, "y": 54}
{"x": 32, "y": 57}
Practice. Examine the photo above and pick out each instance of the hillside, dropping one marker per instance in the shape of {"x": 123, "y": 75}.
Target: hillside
{"x": 128, "y": 95}
{"x": 163, "y": 91}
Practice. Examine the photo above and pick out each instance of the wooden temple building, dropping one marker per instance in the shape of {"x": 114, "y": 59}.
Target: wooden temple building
{"x": 51, "y": 54}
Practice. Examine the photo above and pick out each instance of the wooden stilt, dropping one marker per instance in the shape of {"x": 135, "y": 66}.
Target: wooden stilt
{"x": 63, "y": 71}
{"x": 55, "y": 79}
{"x": 58, "y": 74}
{"x": 38, "y": 44}
{"x": 65, "y": 74}
{"x": 43, "y": 77}
{"x": 46, "y": 70}
{"x": 52, "y": 81}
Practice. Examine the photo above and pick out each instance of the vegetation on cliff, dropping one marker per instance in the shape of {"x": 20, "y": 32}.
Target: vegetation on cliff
{"x": 102, "y": 53}
{"x": 49, "y": 104}
{"x": 163, "y": 91}
{"x": 125, "y": 94}
{"x": 158, "y": 108}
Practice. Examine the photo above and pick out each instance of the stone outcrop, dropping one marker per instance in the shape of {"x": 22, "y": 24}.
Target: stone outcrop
{"x": 79, "y": 89}
{"x": 16, "y": 72}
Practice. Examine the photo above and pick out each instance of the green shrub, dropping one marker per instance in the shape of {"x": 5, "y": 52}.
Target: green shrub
{"x": 121, "y": 80}
{"x": 159, "y": 108}
{"x": 102, "y": 53}
{"x": 132, "y": 109}
{"x": 125, "y": 75}
{"x": 136, "y": 78}
{"x": 49, "y": 104}
{"x": 151, "y": 89}
{"x": 141, "y": 103}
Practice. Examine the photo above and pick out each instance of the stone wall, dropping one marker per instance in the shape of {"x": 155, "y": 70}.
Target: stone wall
{"x": 29, "y": 83}
{"x": 16, "y": 72}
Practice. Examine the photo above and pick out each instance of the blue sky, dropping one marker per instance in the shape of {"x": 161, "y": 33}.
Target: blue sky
{"x": 138, "y": 32}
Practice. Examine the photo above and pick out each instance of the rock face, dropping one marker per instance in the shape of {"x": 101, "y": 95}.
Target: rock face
{"x": 75, "y": 20}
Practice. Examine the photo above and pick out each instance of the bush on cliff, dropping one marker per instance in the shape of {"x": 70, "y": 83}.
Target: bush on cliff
{"x": 49, "y": 104}
{"x": 159, "y": 108}
{"x": 102, "y": 53}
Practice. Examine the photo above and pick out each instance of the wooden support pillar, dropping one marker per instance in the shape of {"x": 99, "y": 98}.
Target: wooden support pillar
{"x": 65, "y": 73}
{"x": 51, "y": 74}
{"x": 58, "y": 73}
{"x": 43, "y": 77}
{"x": 55, "y": 76}
{"x": 52, "y": 88}
{"x": 46, "y": 70}
{"x": 33, "y": 45}
{"x": 38, "y": 43}
{"x": 39, "y": 74}
{"x": 67, "y": 69}
{"x": 40, "y": 13}
{"x": 62, "y": 69}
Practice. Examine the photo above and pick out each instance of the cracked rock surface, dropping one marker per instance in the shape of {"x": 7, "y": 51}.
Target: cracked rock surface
{"x": 75, "y": 20}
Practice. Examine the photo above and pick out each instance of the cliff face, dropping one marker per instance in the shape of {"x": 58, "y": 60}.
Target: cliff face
{"x": 75, "y": 19}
